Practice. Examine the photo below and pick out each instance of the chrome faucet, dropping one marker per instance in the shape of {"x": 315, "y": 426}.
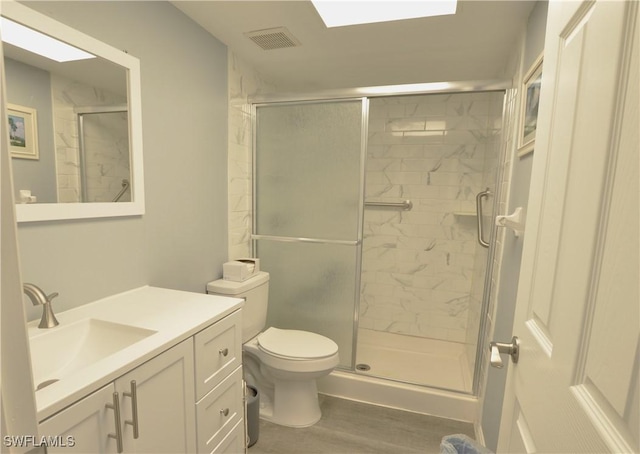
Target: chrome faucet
{"x": 38, "y": 297}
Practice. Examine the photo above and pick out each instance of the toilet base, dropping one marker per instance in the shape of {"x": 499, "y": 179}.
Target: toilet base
{"x": 288, "y": 390}
{"x": 294, "y": 404}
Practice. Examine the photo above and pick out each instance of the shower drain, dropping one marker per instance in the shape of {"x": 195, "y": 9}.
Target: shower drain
{"x": 363, "y": 367}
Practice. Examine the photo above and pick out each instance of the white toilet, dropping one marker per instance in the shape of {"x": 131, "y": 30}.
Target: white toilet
{"x": 282, "y": 364}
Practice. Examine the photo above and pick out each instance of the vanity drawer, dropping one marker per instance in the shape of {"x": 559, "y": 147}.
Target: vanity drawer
{"x": 219, "y": 411}
{"x": 233, "y": 443}
{"x": 218, "y": 351}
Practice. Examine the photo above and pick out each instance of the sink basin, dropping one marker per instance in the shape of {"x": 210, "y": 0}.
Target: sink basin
{"x": 66, "y": 349}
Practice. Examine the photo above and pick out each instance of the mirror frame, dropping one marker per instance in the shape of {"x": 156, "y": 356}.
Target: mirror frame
{"x": 83, "y": 210}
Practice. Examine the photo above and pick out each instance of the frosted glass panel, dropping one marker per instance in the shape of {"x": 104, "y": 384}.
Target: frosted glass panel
{"x": 308, "y": 170}
{"x": 312, "y": 288}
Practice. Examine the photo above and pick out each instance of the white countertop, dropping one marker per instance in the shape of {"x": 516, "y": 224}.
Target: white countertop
{"x": 174, "y": 315}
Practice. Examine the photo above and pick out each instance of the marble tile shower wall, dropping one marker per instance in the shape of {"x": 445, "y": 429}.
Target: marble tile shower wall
{"x": 418, "y": 265}
{"x": 243, "y": 82}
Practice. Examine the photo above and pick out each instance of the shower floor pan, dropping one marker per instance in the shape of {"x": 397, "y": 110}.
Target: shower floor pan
{"x": 408, "y": 359}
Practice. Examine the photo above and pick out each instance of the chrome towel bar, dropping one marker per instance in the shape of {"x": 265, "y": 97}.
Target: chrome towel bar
{"x": 125, "y": 186}
{"x": 404, "y": 205}
{"x": 287, "y": 239}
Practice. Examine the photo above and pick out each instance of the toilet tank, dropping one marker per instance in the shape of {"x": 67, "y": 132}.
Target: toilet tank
{"x": 255, "y": 291}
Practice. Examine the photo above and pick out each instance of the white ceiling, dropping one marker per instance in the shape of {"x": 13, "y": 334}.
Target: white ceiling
{"x": 472, "y": 45}
{"x": 95, "y": 72}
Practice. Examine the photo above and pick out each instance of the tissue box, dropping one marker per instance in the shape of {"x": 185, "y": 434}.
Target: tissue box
{"x": 241, "y": 269}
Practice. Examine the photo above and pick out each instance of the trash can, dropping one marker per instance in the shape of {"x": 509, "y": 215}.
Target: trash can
{"x": 253, "y": 415}
{"x": 461, "y": 444}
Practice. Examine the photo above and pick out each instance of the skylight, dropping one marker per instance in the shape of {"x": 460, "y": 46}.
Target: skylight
{"x": 33, "y": 41}
{"x": 342, "y": 13}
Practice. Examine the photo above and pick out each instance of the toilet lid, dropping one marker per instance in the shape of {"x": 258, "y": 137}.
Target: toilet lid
{"x": 296, "y": 344}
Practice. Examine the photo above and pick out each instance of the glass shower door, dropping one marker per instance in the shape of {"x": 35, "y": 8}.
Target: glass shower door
{"x": 308, "y": 199}
{"x": 104, "y": 155}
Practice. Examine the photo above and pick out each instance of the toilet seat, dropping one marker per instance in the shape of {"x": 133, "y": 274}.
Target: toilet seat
{"x": 296, "y": 345}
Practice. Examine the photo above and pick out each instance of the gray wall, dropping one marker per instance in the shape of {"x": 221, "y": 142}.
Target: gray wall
{"x": 512, "y": 253}
{"x": 181, "y": 241}
{"x": 29, "y": 86}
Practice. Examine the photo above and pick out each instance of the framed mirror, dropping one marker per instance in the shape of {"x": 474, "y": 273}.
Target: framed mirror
{"x": 75, "y": 122}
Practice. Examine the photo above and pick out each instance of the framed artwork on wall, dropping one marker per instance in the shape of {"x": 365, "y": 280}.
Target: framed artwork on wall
{"x": 530, "y": 100}
{"x": 23, "y": 132}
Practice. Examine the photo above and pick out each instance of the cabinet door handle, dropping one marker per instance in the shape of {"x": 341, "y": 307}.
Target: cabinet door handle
{"x": 115, "y": 406}
{"x": 224, "y": 351}
{"x": 224, "y": 412}
{"x": 134, "y": 409}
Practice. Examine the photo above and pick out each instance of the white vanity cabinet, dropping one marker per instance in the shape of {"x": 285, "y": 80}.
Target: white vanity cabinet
{"x": 157, "y": 398}
{"x": 84, "y": 426}
{"x": 161, "y": 394}
{"x": 188, "y": 399}
{"x": 220, "y": 401}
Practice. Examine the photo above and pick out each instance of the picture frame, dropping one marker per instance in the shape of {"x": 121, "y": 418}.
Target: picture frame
{"x": 530, "y": 101}
{"x": 23, "y": 132}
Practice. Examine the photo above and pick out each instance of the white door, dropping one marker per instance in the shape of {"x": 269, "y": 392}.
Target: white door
{"x": 575, "y": 388}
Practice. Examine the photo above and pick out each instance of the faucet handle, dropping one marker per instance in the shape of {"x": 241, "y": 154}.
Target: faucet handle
{"x": 52, "y": 296}
{"x": 48, "y": 319}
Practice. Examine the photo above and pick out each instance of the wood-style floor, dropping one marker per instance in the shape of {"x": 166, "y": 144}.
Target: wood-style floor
{"x": 349, "y": 427}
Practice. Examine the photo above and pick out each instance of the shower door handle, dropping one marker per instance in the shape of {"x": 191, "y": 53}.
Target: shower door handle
{"x": 481, "y": 195}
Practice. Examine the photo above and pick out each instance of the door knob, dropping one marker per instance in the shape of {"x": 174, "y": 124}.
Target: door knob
{"x": 496, "y": 348}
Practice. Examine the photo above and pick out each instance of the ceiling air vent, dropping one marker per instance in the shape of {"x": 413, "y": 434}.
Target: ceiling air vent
{"x": 273, "y": 38}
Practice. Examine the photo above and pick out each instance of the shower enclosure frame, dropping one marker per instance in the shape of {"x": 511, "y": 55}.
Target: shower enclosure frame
{"x": 364, "y": 94}
{"x": 360, "y": 218}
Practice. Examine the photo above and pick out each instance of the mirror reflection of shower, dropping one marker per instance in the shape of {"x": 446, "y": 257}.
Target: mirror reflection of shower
{"x": 125, "y": 188}
{"x": 104, "y": 154}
